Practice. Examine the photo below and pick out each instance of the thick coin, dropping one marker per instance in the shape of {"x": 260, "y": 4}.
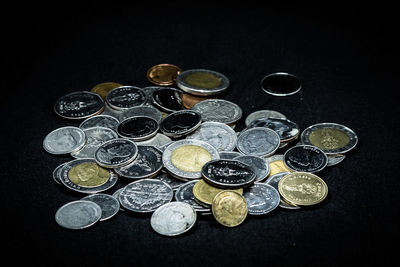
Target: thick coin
{"x": 159, "y": 141}
{"x": 258, "y": 164}
{"x": 229, "y": 208}
{"x": 263, "y": 114}
{"x": 64, "y": 140}
{"x": 280, "y": 84}
{"x": 229, "y": 154}
{"x": 100, "y": 121}
{"x": 274, "y": 181}
{"x": 303, "y": 188}
{"x": 103, "y": 88}
{"x": 125, "y": 97}
{"x": 116, "y": 153}
{"x": 173, "y": 218}
{"x": 180, "y": 123}
{"x": 286, "y": 129}
{"x": 305, "y": 158}
{"x": 258, "y": 141}
{"x": 261, "y": 198}
{"x": 163, "y": 74}
{"x": 146, "y": 111}
{"x": 109, "y": 205}
{"x": 276, "y": 164}
{"x": 202, "y": 82}
{"x": 219, "y": 110}
{"x": 168, "y": 99}
{"x": 204, "y": 193}
{"x": 184, "y": 193}
{"x": 138, "y": 128}
{"x": 78, "y": 214}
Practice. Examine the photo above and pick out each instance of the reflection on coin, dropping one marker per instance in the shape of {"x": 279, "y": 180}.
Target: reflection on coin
{"x": 263, "y": 114}
{"x": 103, "y": 88}
{"x": 57, "y": 173}
{"x": 185, "y": 194}
{"x": 159, "y": 141}
{"x": 180, "y": 123}
{"x": 64, "y": 140}
{"x": 218, "y": 110}
{"x": 168, "y": 99}
{"x": 274, "y": 181}
{"x": 108, "y": 204}
{"x": 146, "y": 111}
{"x": 189, "y": 100}
{"x": 229, "y": 154}
{"x": 229, "y": 208}
{"x": 276, "y": 164}
{"x": 286, "y": 129}
{"x": 259, "y": 165}
{"x": 280, "y": 84}
{"x": 261, "y": 198}
{"x": 101, "y": 121}
{"x": 335, "y": 159}
{"x": 258, "y": 141}
{"x": 78, "y": 214}
{"x": 205, "y": 193}
{"x": 125, "y": 97}
{"x": 138, "y": 128}
{"x": 202, "y": 82}
{"x": 305, "y": 158}
{"x": 115, "y": 153}
{"x": 163, "y": 74}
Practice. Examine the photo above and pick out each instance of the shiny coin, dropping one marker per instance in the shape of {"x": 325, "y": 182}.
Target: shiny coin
{"x": 100, "y": 121}
{"x": 169, "y": 179}
{"x": 263, "y": 114}
{"x": 103, "y": 88}
{"x": 64, "y": 140}
{"x": 168, "y": 99}
{"x": 229, "y": 208}
{"x": 111, "y": 112}
{"x": 173, "y": 218}
{"x": 261, "y": 198}
{"x": 332, "y": 138}
{"x": 159, "y": 141}
{"x": 218, "y": 110}
{"x": 286, "y": 129}
{"x": 202, "y": 82}
{"x": 280, "y": 84}
{"x": 184, "y": 159}
{"x": 78, "y": 214}
{"x": 125, "y": 97}
{"x": 138, "y": 128}
{"x": 180, "y": 123}
{"x": 335, "y": 159}
{"x": 163, "y": 74}
{"x": 228, "y": 173}
{"x": 276, "y": 164}
{"x": 305, "y": 158}
{"x": 116, "y": 196}
{"x": 115, "y": 153}
{"x": 79, "y": 105}
{"x": 204, "y": 193}
{"x": 259, "y": 165}
{"x": 303, "y": 188}
{"x": 145, "y": 195}
{"x": 184, "y": 193}
{"x": 258, "y": 141}
{"x": 147, "y": 164}
{"x": 57, "y": 173}
{"x": 189, "y": 100}
{"x": 229, "y": 154}
{"x": 146, "y": 111}
{"x": 109, "y": 205}
{"x": 274, "y": 181}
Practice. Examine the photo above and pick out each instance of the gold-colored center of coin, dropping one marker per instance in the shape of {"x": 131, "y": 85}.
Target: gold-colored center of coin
{"x": 103, "y": 88}
{"x": 229, "y": 208}
{"x": 329, "y": 138}
{"x": 88, "y": 175}
{"x": 203, "y": 80}
{"x": 190, "y": 158}
{"x": 205, "y": 192}
{"x": 277, "y": 167}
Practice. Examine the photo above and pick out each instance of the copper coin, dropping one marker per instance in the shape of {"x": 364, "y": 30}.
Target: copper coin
{"x": 103, "y": 88}
{"x": 189, "y": 100}
{"x": 163, "y": 74}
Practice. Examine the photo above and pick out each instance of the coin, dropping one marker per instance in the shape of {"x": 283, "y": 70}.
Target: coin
{"x": 332, "y": 138}
{"x": 109, "y": 205}
{"x": 229, "y": 208}
{"x": 125, "y": 97}
{"x": 286, "y": 129}
{"x": 280, "y": 84}
{"x": 229, "y": 154}
{"x": 273, "y": 180}
{"x": 159, "y": 140}
{"x": 146, "y": 111}
{"x": 261, "y": 198}
{"x": 189, "y": 100}
{"x": 180, "y": 123}
{"x": 184, "y": 193}
{"x": 64, "y": 140}
{"x": 103, "y": 88}
{"x": 202, "y": 82}
{"x": 101, "y": 121}
{"x": 335, "y": 159}
{"x": 204, "y": 193}
{"x": 168, "y": 99}
{"x": 218, "y": 110}
{"x": 78, "y": 214}
{"x": 258, "y": 141}
{"x": 174, "y": 218}
{"x": 263, "y": 114}
{"x": 57, "y": 172}
{"x": 116, "y": 153}
{"x": 276, "y": 164}
{"x": 163, "y": 74}
{"x": 259, "y": 165}
{"x": 169, "y": 179}
{"x": 305, "y": 158}
{"x": 111, "y": 112}
{"x": 138, "y": 128}
{"x": 145, "y": 195}
{"x": 116, "y": 196}
{"x": 303, "y": 188}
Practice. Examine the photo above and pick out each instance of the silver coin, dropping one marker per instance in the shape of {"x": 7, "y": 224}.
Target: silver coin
{"x": 101, "y": 121}
{"x": 147, "y": 164}
{"x": 138, "y": 128}
{"x": 57, "y": 172}
{"x": 168, "y": 99}
{"x": 258, "y": 141}
{"x": 229, "y": 154}
{"x": 218, "y": 110}
{"x": 95, "y": 137}
{"x": 145, "y": 195}
{"x": 261, "y": 198}
{"x": 125, "y": 97}
{"x": 187, "y": 82}
{"x": 217, "y": 134}
{"x": 146, "y": 111}
{"x": 185, "y": 194}
{"x": 116, "y": 195}
{"x": 263, "y": 114}
{"x": 159, "y": 140}
{"x": 109, "y": 205}
{"x": 78, "y": 214}
{"x": 274, "y": 181}
{"x": 335, "y": 159}
{"x": 287, "y": 129}
{"x": 305, "y": 158}
{"x": 149, "y": 93}
{"x": 115, "y": 153}
{"x": 280, "y": 84}
{"x": 259, "y": 165}
{"x": 169, "y": 179}
{"x": 79, "y": 105}
{"x": 109, "y": 111}
{"x": 64, "y": 140}
{"x": 275, "y": 157}
{"x": 173, "y": 218}
{"x": 180, "y": 123}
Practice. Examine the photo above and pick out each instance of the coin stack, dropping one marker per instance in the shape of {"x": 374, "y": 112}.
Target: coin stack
{"x": 176, "y": 161}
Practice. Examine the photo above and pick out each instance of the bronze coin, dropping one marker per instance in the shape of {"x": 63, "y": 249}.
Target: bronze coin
{"x": 163, "y": 74}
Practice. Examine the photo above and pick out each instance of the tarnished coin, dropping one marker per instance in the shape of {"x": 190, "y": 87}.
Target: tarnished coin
{"x": 103, "y": 88}
{"x": 125, "y": 97}
{"x": 146, "y": 111}
{"x": 261, "y": 198}
{"x": 303, "y": 188}
{"x": 147, "y": 164}
{"x": 168, "y": 99}
{"x": 163, "y": 74}
{"x": 159, "y": 141}
{"x": 115, "y": 153}
{"x": 109, "y": 205}
{"x": 180, "y": 123}
{"x": 274, "y": 181}
{"x": 202, "y": 82}
{"x": 185, "y": 194}
{"x": 217, "y": 134}
{"x": 259, "y": 165}
{"x": 229, "y": 208}
{"x": 145, "y": 195}
{"x": 173, "y": 218}
{"x": 79, "y": 105}
{"x": 204, "y": 193}
{"x": 263, "y": 114}
{"x": 218, "y": 110}
{"x": 335, "y": 159}
{"x": 64, "y": 140}
{"x": 305, "y": 158}
{"x": 280, "y": 84}
{"x": 100, "y": 121}
{"x": 229, "y": 154}
{"x": 332, "y": 138}
{"x": 286, "y": 129}
{"x": 276, "y": 164}
{"x": 258, "y": 141}
{"x": 138, "y": 128}
{"x": 78, "y": 214}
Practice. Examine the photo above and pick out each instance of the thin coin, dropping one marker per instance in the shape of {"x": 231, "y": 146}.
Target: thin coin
{"x": 146, "y": 111}
{"x": 100, "y": 121}
{"x": 204, "y": 193}
{"x": 274, "y": 181}
{"x": 229, "y": 208}
{"x": 109, "y": 205}
{"x": 259, "y": 165}
{"x": 305, "y": 158}
{"x": 78, "y": 214}
{"x": 180, "y": 123}
{"x": 263, "y": 114}
{"x": 79, "y": 105}
{"x": 64, "y": 140}
{"x": 168, "y": 99}
{"x": 116, "y": 153}
{"x": 184, "y": 193}
{"x": 103, "y": 88}
{"x": 202, "y": 82}
{"x": 163, "y": 74}
{"x": 125, "y": 97}
{"x": 286, "y": 129}
{"x": 261, "y": 198}
{"x": 280, "y": 84}
{"x": 138, "y": 128}
{"x": 219, "y": 110}
{"x": 258, "y": 141}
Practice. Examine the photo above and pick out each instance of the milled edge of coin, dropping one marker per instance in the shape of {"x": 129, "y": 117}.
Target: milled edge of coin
{"x": 265, "y": 211}
{"x": 213, "y": 207}
{"x": 91, "y": 203}
{"x": 180, "y": 82}
{"x": 176, "y": 134}
{"x": 309, "y": 147}
{"x": 239, "y": 145}
{"x": 92, "y": 197}
{"x": 118, "y": 140}
{"x": 81, "y": 143}
{"x": 279, "y": 74}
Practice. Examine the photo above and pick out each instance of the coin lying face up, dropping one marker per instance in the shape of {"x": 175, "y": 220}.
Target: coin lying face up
{"x": 202, "y": 82}
{"x": 138, "y": 128}
{"x": 274, "y": 181}
{"x": 204, "y": 193}
{"x": 280, "y": 84}
{"x": 100, "y": 121}
{"x": 276, "y": 164}
{"x": 79, "y": 105}
{"x": 259, "y": 165}
{"x": 116, "y": 153}
{"x": 125, "y": 97}
{"x": 103, "y": 88}
{"x": 258, "y": 141}
{"x": 168, "y": 99}
{"x": 305, "y": 158}
{"x": 163, "y": 74}
{"x": 184, "y": 193}
{"x": 261, "y": 198}
{"x": 287, "y": 129}
{"x": 78, "y": 214}
{"x": 263, "y": 114}
{"x": 180, "y": 123}
{"x": 219, "y": 110}
{"x": 109, "y": 205}
{"x": 64, "y": 140}
{"x": 146, "y": 111}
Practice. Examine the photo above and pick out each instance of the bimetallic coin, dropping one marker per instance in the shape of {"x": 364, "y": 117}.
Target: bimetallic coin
{"x": 274, "y": 181}
{"x": 286, "y": 129}
{"x": 180, "y": 123}
{"x": 229, "y": 154}
{"x": 138, "y": 128}
{"x": 57, "y": 173}
{"x": 125, "y": 97}
{"x": 159, "y": 141}
{"x": 261, "y": 198}
{"x": 305, "y": 158}
{"x": 218, "y": 110}
{"x": 184, "y": 193}
{"x": 174, "y": 218}
{"x": 303, "y": 188}
{"x": 263, "y": 114}
{"x": 146, "y": 111}
{"x": 229, "y": 208}
{"x": 100, "y": 121}
{"x": 276, "y": 164}
{"x": 109, "y": 205}
{"x": 103, "y": 88}
{"x": 64, "y": 140}
{"x": 335, "y": 159}
{"x": 258, "y": 141}
{"x": 202, "y": 82}
{"x": 259, "y": 165}
{"x": 280, "y": 84}
{"x": 163, "y": 74}
{"x": 78, "y": 214}
{"x": 204, "y": 193}
{"x": 116, "y": 153}
{"x": 168, "y": 99}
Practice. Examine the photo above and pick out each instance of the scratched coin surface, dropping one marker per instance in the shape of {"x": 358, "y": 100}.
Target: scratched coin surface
{"x": 103, "y": 88}
{"x": 261, "y": 198}
{"x": 202, "y": 82}
{"x": 265, "y": 113}
{"x": 286, "y": 129}
{"x": 274, "y": 181}
{"x": 78, "y": 214}
{"x": 305, "y": 158}
{"x": 116, "y": 153}
{"x": 218, "y": 110}
{"x": 259, "y": 165}
{"x": 163, "y": 74}
{"x": 229, "y": 208}
{"x": 100, "y": 121}
{"x": 258, "y": 141}
{"x": 125, "y": 97}
{"x": 64, "y": 140}
{"x": 204, "y": 192}
{"x": 109, "y": 205}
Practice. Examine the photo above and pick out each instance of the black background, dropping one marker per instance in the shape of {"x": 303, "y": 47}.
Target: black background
{"x": 344, "y": 56}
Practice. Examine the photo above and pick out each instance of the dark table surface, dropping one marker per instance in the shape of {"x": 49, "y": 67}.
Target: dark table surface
{"x": 343, "y": 56}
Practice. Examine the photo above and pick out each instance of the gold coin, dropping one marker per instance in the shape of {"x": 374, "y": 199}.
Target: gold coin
{"x": 163, "y": 74}
{"x": 88, "y": 175}
{"x": 302, "y": 188}
{"x": 329, "y": 138}
{"x": 277, "y": 166}
{"x": 203, "y": 80}
{"x": 190, "y": 158}
{"x": 229, "y": 208}
{"x": 205, "y": 192}
{"x": 103, "y": 88}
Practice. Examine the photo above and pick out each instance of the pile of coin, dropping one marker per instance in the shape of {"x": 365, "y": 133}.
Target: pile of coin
{"x": 177, "y": 161}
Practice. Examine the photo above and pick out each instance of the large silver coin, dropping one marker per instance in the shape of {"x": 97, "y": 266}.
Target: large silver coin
{"x": 280, "y": 84}
{"x": 274, "y": 181}
{"x": 261, "y": 198}
{"x": 115, "y": 153}
{"x": 125, "y": 97}
{"x": 185, "y": 194}
{"x": 202, "y": 82}
{"x": 259, "y": 165}
{"x": 109, "y": 205}
{"x": 258, "y": 141}
{"x": 79, "y": 105}
{"x": 78, "y": 214}
{"x": 146, "y": 111}
{"x": 218, "y": 110}
{"x": 64, "y": 140}
{"x": 287, "y": 129}
{"x": 305, "y": 158}
{"x": 173, "y": 218}
{"x": 159, "y": 140}
{"x": 100, "y": 120}
{"x": 263, "y": 114}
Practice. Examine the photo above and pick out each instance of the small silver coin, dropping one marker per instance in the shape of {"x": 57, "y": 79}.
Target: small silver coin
{"x": 169, "y": 179}
{"x": 146, "y": 111}
{"x": 188, "y": 82}
{"x": 218, "y": 110}
{"x": 174, "y": 218}
{"x": 287, "y": 129}
{"x": 180, "y": 123}
{"x": 274, "y": 181}
{"x": 305, "y": 158}
{"x": 185, "y": 194}
{"x": 335, "y": 159}
{"x": 258, "y": 141}
{"x": 64, "y": 140}
{"x": 109, "y": 205}
{"x": 263, "y": 114}
{"x": 229, "y": 154}
{"x": 138, "y": 128}
{"x": 78, "y": 214}
{"x": 280, "y": 84}
{"x": 259, "y": 165}
{"x": 125, "y": 97}
{"x": 101, "y": 121}
{"x": 261, "y": 198}
{"x": 159, "y": 141}
{"x": 116, "y": 153}
{"x": 168, "y": 99}
{"x": 79, "y": 105}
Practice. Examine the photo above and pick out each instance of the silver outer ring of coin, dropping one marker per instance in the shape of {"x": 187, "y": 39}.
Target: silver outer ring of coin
{"x": 80, "y": 134}
{"x": 230, "y": 135}
{"x": 263, "y": 114}
{"x": 122, "y": 87}
{"x": 335, "y": 159}
{"x": 180, "y": 174}
{"x": 208, "y": 113}
{"x": 95, "y": 215}
{"x": 349, "y": 132}
{"x": 272, "y": 182}
{"x": 276, "y": 199}
{"x": 88, "y": 123}
{"x": 146, "y": 111}
{"x": 265, "y": 170}
{"x": 192, "y": 201}
{"x": 278, "y": 74}
{"x": 141, "y": 138}
{"x": 312, "y": 148}
{"x": 194, "y": 90}
{"x": 241, "y": 147}
{"x": 129, "y": 159}
{"x": 109, "y": 205}
{"x": 160, "y": 217}
{"x": 56, "y": 173}
{"x": 229, "y": 154}
{"x": 181, "y": 133}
